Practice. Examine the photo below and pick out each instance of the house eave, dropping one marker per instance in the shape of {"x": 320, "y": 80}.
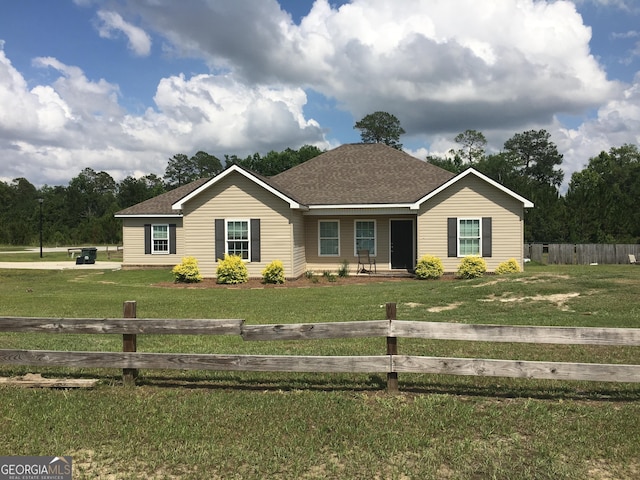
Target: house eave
{"x": 471, "y": 171}
{"x": 150, "y": 215}
{"x": 361, "y": 209}
{"x": 235, "y": 168}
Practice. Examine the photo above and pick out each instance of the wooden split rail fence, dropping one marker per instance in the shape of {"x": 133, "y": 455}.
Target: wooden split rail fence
{"x": 392, "y": 363}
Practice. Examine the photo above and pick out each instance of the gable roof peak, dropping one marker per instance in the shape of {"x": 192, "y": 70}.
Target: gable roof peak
{"x": 161, "y": 204}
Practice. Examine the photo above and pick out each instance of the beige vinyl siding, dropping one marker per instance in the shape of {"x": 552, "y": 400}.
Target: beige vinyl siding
{"x": 298, "y": 245}
{"x": 318, "y": 264}
{"x": 133, "y": 237}
{"x": 471, "y": 197}
{"x": 235, "y": 197}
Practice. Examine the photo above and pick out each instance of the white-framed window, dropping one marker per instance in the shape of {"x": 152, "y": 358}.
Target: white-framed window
{"x": 469, "y": 236}
{"x": 237, "y": 238}
{"x": 160, "y": 239}
{"x": 365, "y": 236}
{"x": 328, "y": 238}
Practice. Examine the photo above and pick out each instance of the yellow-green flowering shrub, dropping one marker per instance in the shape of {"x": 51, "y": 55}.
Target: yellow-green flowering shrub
{"x": 273, "y": 273}
{"x": 510, "y": 266}
{"x": 187, "y": 271}
{"x": 232, "y": 270}
{"x": 472, "y": 267}
{"x": 429, "y": 267}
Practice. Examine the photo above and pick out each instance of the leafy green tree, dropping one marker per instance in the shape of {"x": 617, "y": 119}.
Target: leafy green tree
{"x": 205, "y": 165}
{"x": 91, "y": 197}
{"x": 59, "y": 221}
{"x": 182, "y": 169}
{"x": 274, "y": 162}
{"x": 178, "y": 171}
{"x": 501, "y": 167}
{"x": 603, "y": 199}
{"x": 135, "y": 190}
{"x": 472, "y": 144}
{"x": 91, "y": 193}
{"x": 470, "y": 153}
{"x": 452, "y": 164}
{"x": 381, "y": 127}
{"x": 536, "y": 156}
{"x": 20, "y": 212}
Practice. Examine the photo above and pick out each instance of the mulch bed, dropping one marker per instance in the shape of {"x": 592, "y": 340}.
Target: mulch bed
{"x": 302, "y": 282}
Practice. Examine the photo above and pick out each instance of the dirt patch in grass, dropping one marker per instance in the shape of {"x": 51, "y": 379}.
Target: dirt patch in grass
{"x": 600, "y": 470}
{"x": 86, "y": 465}
{"x": 444, "y": 308}
{"x": 524, "y": 280}
{"x": 303, "y": 282}
{"x": 559, "y": 299}
{"x": 413, "y": 304}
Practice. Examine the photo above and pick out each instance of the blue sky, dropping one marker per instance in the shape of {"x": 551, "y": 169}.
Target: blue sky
{"x": 122, "y": 85}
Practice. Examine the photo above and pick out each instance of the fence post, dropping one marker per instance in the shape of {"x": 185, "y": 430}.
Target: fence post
{"x": 129, "y": 344}
{"x": 392, "y": 349}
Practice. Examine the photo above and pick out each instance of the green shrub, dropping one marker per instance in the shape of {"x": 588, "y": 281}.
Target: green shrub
{"x": 273, "y": 273}
{"x": 472, "y": 267}
{"x": 343, "y": 271}
{"x": 187, "y": 271}
{"x": 429, "y": 267}
{"x": 510, "y": 266}
{"x": 232, "y": 270}
{"x": 331, "y": 277}
{"x": 309, "y": 274}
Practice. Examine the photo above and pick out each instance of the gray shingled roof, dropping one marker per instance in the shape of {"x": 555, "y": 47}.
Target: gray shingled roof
{"x": 161, "y": 205}
{"x": 365, "y": 173}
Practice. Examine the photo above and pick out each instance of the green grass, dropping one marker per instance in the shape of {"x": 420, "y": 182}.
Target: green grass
{"x": 204, "y": 425}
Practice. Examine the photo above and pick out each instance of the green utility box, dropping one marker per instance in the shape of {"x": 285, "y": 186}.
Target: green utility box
{"x": 87, "y": 256}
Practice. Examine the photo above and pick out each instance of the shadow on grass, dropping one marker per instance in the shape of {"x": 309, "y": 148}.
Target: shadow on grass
{"x": 478, "y": 387}
{"x": 376, "y": 384}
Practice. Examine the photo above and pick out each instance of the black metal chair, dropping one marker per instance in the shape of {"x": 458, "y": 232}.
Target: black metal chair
{"x": 365, "y": 259}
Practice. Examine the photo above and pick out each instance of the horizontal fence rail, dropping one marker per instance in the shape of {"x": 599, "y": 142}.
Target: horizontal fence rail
{"x": 130, "y": 360}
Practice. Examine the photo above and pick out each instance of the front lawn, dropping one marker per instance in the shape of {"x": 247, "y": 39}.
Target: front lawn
{"x": 223, "y": 425}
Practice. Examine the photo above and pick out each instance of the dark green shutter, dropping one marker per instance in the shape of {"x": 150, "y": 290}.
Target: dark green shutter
{"x": 219, "y": 233}
{"x": 172, "y": 238}
{"x": 147, "y": 239}
{"x": 486, "y": 236}
{"x": 452, "y": 237}
{"x": 255, "y": 239}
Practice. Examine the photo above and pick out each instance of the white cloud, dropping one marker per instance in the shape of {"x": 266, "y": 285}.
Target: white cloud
{"x": 617, "y": 122}
{"x": 51, "y": 132}
{"x": 39, "y": 113}
{"x": 440, "y": 67}
{"x": 112, "y": 23}
{"x": 219, "y": 114}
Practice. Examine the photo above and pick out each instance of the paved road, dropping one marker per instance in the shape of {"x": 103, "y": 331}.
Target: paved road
{"x": 65, "y": 265}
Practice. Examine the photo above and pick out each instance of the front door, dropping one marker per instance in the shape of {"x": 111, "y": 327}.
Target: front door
{"x": 402, "y": 245}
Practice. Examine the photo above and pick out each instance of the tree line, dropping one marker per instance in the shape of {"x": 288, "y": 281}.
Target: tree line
{"x": 601, "y": 201}
{"x": 599, "y": 206}
{"x": 83, "y": 211}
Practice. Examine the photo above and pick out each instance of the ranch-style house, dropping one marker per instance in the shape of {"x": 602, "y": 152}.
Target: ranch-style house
{"x": 319, "y": 214}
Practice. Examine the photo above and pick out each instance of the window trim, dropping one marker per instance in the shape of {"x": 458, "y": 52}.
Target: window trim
{"x": 459, "y": 237}
{"x": 154, "y": 251}
{"x": 248, "y": 240}
{"x": 320, "y": 238}
{"x": 375, "y": 236}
